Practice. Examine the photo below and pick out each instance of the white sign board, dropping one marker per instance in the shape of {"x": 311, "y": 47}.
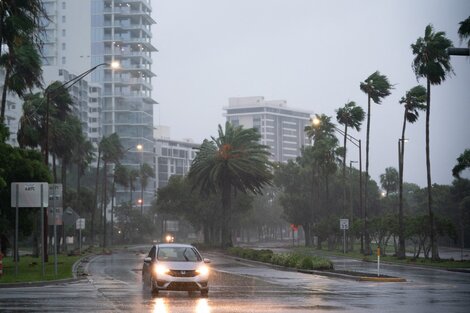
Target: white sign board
{"x": 55, "y": 195}
{"x": 29, "y": 195}
{"x": 80, "y": 223}
{"x": 58, "y": 216}
{"x": 344, "y": 223}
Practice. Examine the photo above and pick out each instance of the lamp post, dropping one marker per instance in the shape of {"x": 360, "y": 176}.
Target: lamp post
{"x": 401, "y": 235}
{"x": 50, "y": 95}
{"x": 140, "y": 147}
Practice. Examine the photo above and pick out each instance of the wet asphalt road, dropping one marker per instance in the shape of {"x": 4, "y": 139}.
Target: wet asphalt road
{"x": 115, "y": 285}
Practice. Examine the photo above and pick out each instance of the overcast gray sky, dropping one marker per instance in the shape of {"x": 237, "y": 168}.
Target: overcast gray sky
{"x": 313, "y": 54}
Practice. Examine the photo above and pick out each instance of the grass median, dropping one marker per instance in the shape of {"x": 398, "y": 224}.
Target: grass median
{"x": 443, "y": 263}
{"x": 30, "y": 269}
{"x": 291, "y": 260}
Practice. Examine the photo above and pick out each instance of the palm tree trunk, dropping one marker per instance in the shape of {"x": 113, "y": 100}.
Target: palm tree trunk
{"x": 4, "y": 95}
{"x": 226, "y": 208}
{"x": 79, "y": 176}
{"x": 344, "y": 168}
{"x": 93, "y": 210}
{"x": 366, "y": 231}
{"x": 434, "y": 251}
{"x": 401, "y": 154}
{"x": 104, "y": 202}
{"x": 63, "y": 176}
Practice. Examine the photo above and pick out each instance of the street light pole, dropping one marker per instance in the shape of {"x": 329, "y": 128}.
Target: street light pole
{"x": 140, "y": 147}
{"x": 50, "y": 95}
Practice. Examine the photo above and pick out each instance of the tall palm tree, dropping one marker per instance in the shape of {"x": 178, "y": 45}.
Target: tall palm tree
{"x": 235, "y": 161}
{"x": 133, "y": 174}
{"x": 413, "y": 102}
{"x": 377, "y": 87}
{"x": 322, "y": 133}
{"x": 20, "y": 33}
{"x": 464, "y": 30}
{"x": 320, "y": 128}
{"x": 146, "y": 171}
{"x": 463, "y": 162}
{"x": 433, "y": 63}
{"x": 112, "y": 152}
{"x": 22, "y": 70}
{"x": 350, "y": 115}
{"x": 83, "y": 155}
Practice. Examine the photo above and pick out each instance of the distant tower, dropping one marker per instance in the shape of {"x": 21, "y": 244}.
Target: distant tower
{"x": 281, "y": 128}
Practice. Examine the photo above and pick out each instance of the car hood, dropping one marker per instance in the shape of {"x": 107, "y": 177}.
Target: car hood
{"x": 181, "y": 266}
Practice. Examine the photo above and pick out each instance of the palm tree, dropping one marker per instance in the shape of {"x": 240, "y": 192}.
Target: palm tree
{"x": 133, "y": 174}
{"x": 463, "y": 162}
{"x": 464, "y": 30}
{"x": 235, "y": 161}
{"x": 433, "y": 63}
{"x": 377, "y": 87}
{"x": 22, "y": 70}
{"x": 112, "y": 151}
{"x": 83, "y": 155}
{"x": 146, "y": 171}
{"x": 20, "y": 32}
{"x": 413, "y": 102}
{"x": 350, "y": 115}
{"x": 320, "y": 128}
{"x": 389, "y": 180}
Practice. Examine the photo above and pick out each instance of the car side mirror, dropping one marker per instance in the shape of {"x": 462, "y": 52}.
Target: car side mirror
{"x": 206, "y": 260}
{"x": 147, "y": 259}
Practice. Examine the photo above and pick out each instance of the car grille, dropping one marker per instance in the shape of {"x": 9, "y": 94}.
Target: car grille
{"x": 180, "y": 273}
{"x": 182, "y": 286}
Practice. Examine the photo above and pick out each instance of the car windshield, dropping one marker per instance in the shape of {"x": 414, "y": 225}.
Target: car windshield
{"x": 178, "y": 254}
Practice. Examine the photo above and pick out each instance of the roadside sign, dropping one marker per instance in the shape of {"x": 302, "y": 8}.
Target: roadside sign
{"x": 344, "y": 223}
{"x": 29, "y": 195}
{"x": 80, "y": 223}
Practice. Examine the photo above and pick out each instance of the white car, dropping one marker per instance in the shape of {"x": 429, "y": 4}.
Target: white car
{"x": 172, "y": 266}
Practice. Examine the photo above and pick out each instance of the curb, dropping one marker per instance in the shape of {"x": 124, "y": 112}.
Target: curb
{"x": 323, "y": 273}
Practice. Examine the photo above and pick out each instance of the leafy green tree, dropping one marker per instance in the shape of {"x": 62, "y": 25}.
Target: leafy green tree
{"x": 464, "y": 30}
{"x": 377, "y": 87}
{"x": 233, "y": 161}
{"x": 463, "y": 162}
{"x": 413, "y": 102}
{"x": 297, "y": 199}
{"x": 433, "y": 63}
{"x": 17, "y": 165}
{"x": 389, "y": 180}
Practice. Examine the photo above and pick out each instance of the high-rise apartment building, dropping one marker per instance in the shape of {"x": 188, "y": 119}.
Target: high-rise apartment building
{"x": 82, "y": 34}
{"x": 121, "y": 31}
{"x": 281, "y": 128}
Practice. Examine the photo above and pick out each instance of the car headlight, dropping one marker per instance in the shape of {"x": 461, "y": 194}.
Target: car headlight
{"x": 203, "y": 270}
{"x": 160, "y": 269}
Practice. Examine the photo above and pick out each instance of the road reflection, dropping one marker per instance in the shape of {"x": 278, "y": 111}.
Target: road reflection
{"x": 163, "y": 305}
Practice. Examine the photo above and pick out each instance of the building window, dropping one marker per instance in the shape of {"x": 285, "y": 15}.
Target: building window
{"x": 63, "y": 46}
{"x": 63, "y": 18}
{"x": 63, "y": 60}
{"x": 63, "y": 5}
{"x": 63, "y": 33}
